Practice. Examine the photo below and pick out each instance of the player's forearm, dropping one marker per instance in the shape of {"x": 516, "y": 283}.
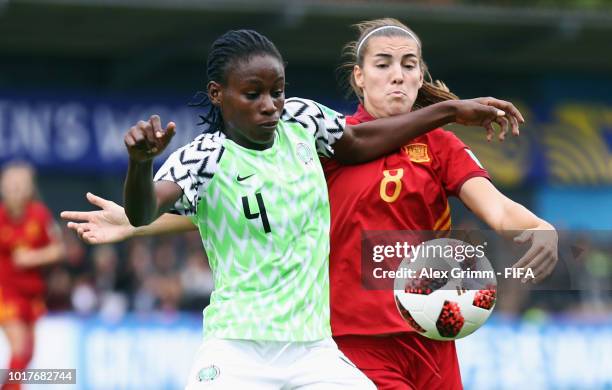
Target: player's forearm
{"x": 49, "y": 254}
{"x": 509, "y": 218}
{"x": 369, "y": 140}
{"x": 165, "y": 224}
{"x": 138, "y": 194}
{"x": 517, "y": 217}
{"x": 498, "y": 211}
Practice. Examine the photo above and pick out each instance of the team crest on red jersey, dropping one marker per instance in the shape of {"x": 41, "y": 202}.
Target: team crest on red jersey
{"x": 417, "y": 152}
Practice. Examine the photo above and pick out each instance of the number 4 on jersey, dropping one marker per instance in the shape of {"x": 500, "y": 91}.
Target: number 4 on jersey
{"x": 262, "y": 211}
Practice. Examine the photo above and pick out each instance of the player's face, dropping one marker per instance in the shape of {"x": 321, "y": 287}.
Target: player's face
{"x": 391, "y": 75}
{"x": 252, "y": 100}
{"x": 17, "y": 187}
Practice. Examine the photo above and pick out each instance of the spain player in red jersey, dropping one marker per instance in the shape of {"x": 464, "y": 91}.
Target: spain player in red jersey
{"x": 406, "y": 190}
{"x": 29, "y": 239}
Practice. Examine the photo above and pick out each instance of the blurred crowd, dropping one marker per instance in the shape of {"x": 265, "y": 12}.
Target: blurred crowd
{"x": 143, "y": 275}
{"x": 169, "y": 274}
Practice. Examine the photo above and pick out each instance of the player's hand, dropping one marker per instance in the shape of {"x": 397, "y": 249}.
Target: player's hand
{"x": 486, "y": 111}
{"x": 148, "y": 139}
{"x": 23, "y": 258}
{"x": 542, "y": 255}
{"x": 104, "y": 226}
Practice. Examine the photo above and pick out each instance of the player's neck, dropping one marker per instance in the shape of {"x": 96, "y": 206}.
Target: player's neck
{"x": 15, "y": 211}
{"x": 372, "y": 111}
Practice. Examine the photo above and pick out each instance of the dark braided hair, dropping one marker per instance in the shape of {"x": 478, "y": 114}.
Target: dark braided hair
{"x": 226, "y": 51}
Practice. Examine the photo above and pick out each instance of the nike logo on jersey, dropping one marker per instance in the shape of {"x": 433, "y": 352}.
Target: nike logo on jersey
{"x": 243, "y": 178}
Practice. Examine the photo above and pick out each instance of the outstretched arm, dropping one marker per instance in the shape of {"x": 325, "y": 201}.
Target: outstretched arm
{"x": 144, "y": 200}
{"x": 510, "y": 218}
{"x": 369, "y": 140}
{"x": 109, "y": 224}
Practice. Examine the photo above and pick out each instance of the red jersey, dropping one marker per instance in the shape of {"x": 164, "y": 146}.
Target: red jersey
{"x": 405, "y": 190}
{"x": 30, "y": 231}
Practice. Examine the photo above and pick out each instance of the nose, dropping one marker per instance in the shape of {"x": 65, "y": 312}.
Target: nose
{"x": 267, "y": 105}
{"x": 397, "y": 75}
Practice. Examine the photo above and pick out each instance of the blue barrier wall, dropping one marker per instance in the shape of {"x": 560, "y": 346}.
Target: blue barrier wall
{"x": 157, "y": 352}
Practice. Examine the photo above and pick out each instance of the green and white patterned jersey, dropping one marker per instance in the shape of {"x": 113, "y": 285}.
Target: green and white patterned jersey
{"x": 264, "y": 221}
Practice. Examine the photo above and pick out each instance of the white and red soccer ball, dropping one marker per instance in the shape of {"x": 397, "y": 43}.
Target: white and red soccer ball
{"x": 446, "y": 307}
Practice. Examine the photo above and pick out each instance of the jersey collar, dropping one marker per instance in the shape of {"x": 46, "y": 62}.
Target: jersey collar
{"x": 362, "y": 115}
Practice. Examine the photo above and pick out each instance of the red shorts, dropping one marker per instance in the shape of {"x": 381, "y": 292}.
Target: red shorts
{"x": 15, "y": 306}
{"x": 406, "y": 361}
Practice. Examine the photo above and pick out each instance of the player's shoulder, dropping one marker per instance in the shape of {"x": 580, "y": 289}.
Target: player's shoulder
{"x": 431, "y": 137}
{"x": 206, "y": 143}
{"x": 440, "y": 138}
{"x": 204, "y": 146}
{"x": 37, "y": 209}
{"x": 439, "y": 133}
{"x": 296, "y": 107}
{"x": 37, "y": 205}
{"x": 199, "y": 158}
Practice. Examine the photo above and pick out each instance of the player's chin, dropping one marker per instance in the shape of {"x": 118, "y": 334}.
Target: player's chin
{"x": 263, "y": 135}
{"x": 398, "y": 108}
{"x": 399, "y": 103}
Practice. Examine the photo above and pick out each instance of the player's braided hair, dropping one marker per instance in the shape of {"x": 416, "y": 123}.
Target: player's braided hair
{"x": 432, "y": 91}
{"x": 225, "y": 52}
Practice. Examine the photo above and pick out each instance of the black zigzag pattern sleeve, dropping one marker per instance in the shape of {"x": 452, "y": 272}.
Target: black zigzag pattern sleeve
{"x": 325, "y": 124}
{"x": 192, "y": 167}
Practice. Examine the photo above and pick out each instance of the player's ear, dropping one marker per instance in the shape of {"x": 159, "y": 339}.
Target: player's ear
{"x": 421, "y": 79}
{"x": 215, "y": 93}
{"x": 358, "y": 76}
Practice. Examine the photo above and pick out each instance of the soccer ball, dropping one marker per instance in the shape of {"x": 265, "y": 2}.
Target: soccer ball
{"x": 443, "y": 298}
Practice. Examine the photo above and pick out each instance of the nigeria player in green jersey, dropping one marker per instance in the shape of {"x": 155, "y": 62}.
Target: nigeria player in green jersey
{"x": 254, "y": 187}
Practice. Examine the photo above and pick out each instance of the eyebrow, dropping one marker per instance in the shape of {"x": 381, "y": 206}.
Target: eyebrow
{"x": 385, "y": 55}
{"x": 255, "y": 80}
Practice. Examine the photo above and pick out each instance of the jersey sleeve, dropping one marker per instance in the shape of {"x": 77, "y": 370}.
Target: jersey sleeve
{"x": 191, "y": 167}
{"x": 45, "y": 218}
{"x": 323, "y": 123}
{"x": 457, "y": 163}
{"x": 43, "y": 214}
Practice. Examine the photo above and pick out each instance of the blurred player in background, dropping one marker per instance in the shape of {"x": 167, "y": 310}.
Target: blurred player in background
{"x": 406, "y": 190}
{"x": 29, "y": 240}
{"x": 251, "y": 151}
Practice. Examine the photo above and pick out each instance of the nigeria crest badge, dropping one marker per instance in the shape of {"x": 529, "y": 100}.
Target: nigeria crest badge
{"x": 209, "y": 373}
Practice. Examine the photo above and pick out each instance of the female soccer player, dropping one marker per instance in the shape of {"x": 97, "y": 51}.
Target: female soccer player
{"x": 406, "y": 190}
{"x": 254, "y": 186}
{"x": 29, "y": 239}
